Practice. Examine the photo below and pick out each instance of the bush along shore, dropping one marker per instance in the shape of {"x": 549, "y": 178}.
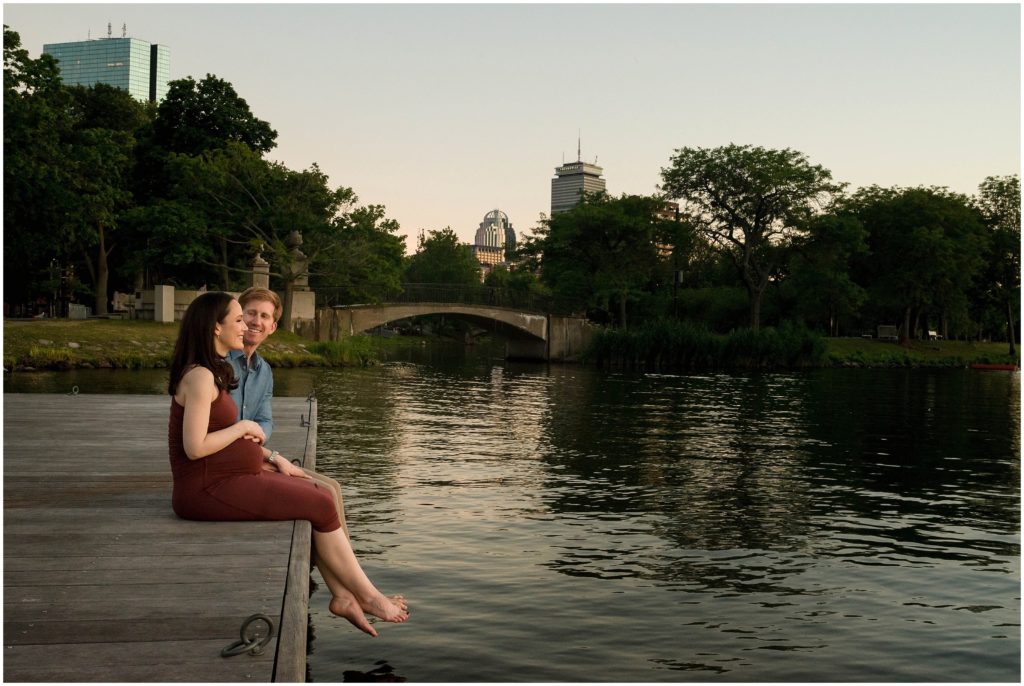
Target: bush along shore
{"x": 665, "y": 345}
{"x": 670, "y": 345}
{"x": 116, "y": 344}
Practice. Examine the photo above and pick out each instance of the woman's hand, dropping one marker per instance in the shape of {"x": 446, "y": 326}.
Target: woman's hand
{"x": 252, "y": 431}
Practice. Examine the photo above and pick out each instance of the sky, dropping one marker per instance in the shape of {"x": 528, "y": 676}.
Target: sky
{"x": 442, "y": 113}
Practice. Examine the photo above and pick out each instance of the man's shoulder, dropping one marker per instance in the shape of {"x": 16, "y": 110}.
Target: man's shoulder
{"x": 259, "y": 362}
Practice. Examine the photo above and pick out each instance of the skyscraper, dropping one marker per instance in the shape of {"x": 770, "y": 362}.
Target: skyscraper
{"x": 141, "y": 68}
{"x": 495, "y": 240}
{"x": 496, "y": 231}
{"x": 571, "y": 181}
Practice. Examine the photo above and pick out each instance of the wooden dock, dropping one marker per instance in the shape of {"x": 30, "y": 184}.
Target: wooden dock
{"x": 102, "y": 582}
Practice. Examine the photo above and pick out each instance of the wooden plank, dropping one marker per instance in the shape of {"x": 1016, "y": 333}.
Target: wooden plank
{"x": 145, "y": 629}
{"x": 157, "y": 661}
{"x": 101, "y": 581}
{"x": 211, "y": 572}
{"x": 41, "y": 545}
{"x": 291, "y": 643}
{"x": 170, "y": 562}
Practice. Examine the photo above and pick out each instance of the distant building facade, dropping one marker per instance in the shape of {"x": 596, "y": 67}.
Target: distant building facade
{"x": 141, "y": 68}
{"x": 571, "y": 181}
{"x": 495, "y": 241}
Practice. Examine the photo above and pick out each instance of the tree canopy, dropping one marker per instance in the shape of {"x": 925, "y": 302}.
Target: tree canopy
{"x": 926, "y": 246}
{"x": 750, "y": 202}
{"x": 122, "y": 194}
{"x": 442, "y": 258}
{"x": 206, "y": 115}
{"x": 602, "y": 252}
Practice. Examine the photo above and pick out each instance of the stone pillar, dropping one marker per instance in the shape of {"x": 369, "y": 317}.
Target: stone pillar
{"x": 163, "y": 303}
{"x": 260, "y": 272}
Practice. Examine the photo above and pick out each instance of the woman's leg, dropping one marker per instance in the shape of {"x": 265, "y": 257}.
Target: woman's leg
{"x": 335, "y": 488}
{"x": 334, "y": 553}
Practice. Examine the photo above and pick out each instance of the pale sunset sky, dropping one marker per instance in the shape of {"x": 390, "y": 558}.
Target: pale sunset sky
{"x": 442, "y": 113}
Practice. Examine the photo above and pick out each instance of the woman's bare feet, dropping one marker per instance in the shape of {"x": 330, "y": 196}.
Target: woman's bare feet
{"x": 392, "y": 609}
{"x": 348, "y": 608}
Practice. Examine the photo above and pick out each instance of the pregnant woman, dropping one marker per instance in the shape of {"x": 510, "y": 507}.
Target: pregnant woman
{"x": 217, "y": 462}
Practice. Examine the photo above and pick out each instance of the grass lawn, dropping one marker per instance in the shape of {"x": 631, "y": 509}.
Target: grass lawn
{"x": 875, "y": 353}
{"x": 124, "y": 344}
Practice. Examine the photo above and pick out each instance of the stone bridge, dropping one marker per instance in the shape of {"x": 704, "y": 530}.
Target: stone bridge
{"x": 529, "y": 335}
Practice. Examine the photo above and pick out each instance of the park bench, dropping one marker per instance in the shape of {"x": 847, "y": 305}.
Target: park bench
{"x": 887, "y": 332}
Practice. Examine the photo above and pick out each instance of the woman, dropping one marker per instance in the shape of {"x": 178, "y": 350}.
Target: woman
{"x": 218, "y": 463}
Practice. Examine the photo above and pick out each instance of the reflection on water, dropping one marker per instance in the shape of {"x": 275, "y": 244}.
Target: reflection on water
{"x": 563, "y": 524}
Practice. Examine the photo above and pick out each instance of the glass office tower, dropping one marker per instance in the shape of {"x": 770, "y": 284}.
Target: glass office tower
{"x": 141, "y": 68}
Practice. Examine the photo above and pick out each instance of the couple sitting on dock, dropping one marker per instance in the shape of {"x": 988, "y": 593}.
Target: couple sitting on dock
{"x": 223, "y": 472}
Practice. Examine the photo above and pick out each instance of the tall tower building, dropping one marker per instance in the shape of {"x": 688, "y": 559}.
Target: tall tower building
{"x": 571, "y": 181}
{"x": 141, "y": 68}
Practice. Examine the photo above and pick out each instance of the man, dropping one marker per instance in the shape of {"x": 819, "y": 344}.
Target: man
{"x": 261, "y": 308}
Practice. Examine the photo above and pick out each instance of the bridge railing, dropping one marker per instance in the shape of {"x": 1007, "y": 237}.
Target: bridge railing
{"x": 460, "y": 294}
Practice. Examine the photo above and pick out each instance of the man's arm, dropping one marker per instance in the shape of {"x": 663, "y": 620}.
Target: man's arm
{"x": 263, "y": 415}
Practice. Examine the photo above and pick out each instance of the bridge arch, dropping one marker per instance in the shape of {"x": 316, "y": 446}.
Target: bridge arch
{"x": 532, "y": 335}
{"x": 349, "y": 320}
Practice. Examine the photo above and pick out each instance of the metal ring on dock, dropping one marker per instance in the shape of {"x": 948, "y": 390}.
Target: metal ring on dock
{"x": 253, "y": 641}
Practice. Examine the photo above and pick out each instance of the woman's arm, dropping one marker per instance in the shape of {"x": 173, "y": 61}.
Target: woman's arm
{"x": 197, "y": 390}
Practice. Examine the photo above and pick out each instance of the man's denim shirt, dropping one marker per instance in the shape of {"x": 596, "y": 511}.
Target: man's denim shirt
{"x": 255, "y": 389}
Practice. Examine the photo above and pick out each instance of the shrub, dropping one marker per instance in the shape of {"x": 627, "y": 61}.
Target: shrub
{"x": 348, "y": 351}
{"x": 683, "y": 345}
{"x": 45, "y": 357}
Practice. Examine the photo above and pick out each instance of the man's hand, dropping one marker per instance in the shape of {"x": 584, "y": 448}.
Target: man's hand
{"x": 287, "y": 468}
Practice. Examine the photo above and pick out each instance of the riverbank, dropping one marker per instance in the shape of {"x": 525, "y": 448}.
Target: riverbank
{"x": 668, "y": 345}
{"x": 122, "y": 344}
{"x": 117, "y": 344}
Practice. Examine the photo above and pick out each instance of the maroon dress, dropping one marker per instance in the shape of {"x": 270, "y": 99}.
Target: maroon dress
{"x": 231, "y": 485}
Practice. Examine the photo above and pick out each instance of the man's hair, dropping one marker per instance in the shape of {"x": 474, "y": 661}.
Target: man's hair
{"x": 264, "y": 294}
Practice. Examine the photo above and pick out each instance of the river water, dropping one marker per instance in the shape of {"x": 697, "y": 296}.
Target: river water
{"x": 564, "y": 524}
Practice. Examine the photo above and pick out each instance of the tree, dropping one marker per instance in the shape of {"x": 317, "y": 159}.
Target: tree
{"x": 168, "y": 243}
{"x": 442, "y": 259}
{"x": 100, "y": 150}
{"x": 248, "y": 205}
{"x": 601, "y": 251}
{"x": 364, "y": 264}
{"x": 195, "y": 117}
{"x": 36, "y": 120}
{"x": 516, "y": 287}
{"x": 101, "y": 159}
{"x": 68, "y": 153}
{"x": 819, "y": 270}
{"x": 998, "y": 201}
{"x": 750, "y": 202}
{"x": 926, "y": 248}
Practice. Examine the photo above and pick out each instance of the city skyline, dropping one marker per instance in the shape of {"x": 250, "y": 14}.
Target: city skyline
{"x": 442, "y": 125}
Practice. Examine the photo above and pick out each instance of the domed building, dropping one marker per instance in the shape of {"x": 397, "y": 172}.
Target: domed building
{"x": 495, "y": 240}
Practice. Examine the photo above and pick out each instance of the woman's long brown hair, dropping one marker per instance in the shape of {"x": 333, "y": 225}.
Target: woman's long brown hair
{"x": 195, "y": 347}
